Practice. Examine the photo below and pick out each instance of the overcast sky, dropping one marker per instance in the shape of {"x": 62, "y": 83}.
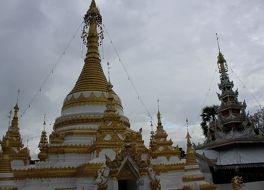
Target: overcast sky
{"x": 168, "y": 47}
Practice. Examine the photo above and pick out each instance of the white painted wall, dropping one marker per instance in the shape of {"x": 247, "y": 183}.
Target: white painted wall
{"x": 79, "y": 139}
{"x": 46, "y": 183}
{"x": 171, "y": 180}
{"x": 109, "y": 152}
{"x": 67, "y": 159}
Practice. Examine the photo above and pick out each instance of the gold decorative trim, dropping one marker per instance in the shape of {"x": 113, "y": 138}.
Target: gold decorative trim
{"x": 85, "y": 170}
{"x": 6, "y": 179}
{"x": 192, "y": 178}
{"x": 44, "y": 173}
{"x": 162, "y": 168}
{"x": 91, "y": 100}
{"x": 88, "y": 170}
{"x": 80, "y": 149}
{"x": 209, "y": 186}
{"x": 81, "y": 132}
{"x": 75, "y": 120}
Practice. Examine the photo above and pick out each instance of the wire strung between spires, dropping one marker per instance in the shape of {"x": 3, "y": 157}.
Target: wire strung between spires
{"x": 210, "y": 87}
{"x": 244, "y": 86}
{"x": 39, "y": 90}
{"x": 128, "y": 76}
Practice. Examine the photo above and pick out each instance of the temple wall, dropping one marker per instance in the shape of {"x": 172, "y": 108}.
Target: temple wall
{"x": 86, "y": 127}
{"x": 164, "y": 160}
{"x": 236, "y": 155}
{"x": 17, "y": 163}
{"x": 85, "y": 109}
{"x": 46, "y": 184}
{"x": 86, "y": 184}
{"x": 246, "y": 186}
{"x": 67, "y": 159}
{"x": 79, "y": 139}
{"x": 171, "y": 180}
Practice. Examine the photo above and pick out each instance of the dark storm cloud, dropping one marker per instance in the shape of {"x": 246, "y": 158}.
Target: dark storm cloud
{"x": 168, "y": 47}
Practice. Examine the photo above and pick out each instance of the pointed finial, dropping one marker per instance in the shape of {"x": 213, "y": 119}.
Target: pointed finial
{"x": 188, "y": 136}
{"x": 44, "y": 122}
{"x": 151, "y": 126}
{"x": 159, "y": 119}
{"x": 222, "y": 66}
{"x": 217, "y": 39}
{"x": 16, "y": 108}
{"x": 92, "y": 17}
{"x": 18, "y": 93}
{"x": 158, "y": 104}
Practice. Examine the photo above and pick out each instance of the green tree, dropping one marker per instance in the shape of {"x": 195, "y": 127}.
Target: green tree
{"x": 208, "y": 115}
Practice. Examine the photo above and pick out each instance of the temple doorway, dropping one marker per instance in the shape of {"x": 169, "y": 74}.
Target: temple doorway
{"x": 127, "y": 185}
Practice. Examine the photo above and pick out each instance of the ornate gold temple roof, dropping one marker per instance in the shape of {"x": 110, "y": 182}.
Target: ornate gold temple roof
{"x": 91, "y": 86}
{"x": 92, "y": 77}
{"x": 190, "y": 155}
{"x": 159, "y": 144}
{"x": 11, "y": 143}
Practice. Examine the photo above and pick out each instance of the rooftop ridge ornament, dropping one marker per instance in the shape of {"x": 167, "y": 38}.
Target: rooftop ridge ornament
{"x": 221, "y": 62}
{"x": 44, "y": 122}
{"x": 18, "y": 93}
{"x": 158, "y": 104}
{"x": 217, "y": 39}
{"x": 188, "y": 136}
{"x": 92, "y": 16}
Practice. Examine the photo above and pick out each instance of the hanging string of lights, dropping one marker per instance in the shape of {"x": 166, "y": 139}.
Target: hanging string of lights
{"x": 210, "y": 87}
{"x": 244, "y": 86}
{"x": 127, "y": 73}
{"x": 51, "y": 72}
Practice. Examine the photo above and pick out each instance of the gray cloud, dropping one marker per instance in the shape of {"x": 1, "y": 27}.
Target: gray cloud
{"x": 168, "y": 47}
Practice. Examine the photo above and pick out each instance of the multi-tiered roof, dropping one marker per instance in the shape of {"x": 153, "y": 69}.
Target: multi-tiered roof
{"x": 231, "y": 112}
{"x": 92, "y": 145}
{"x": 160, "y": 145}
{"x": 233, "y": 145}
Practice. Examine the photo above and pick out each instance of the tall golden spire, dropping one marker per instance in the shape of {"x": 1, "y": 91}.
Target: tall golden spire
{"x": 160, "y": 126}
{"x": 43, "y": 139}
{"x": 12, "y": 146}
{"x": 43, "y": 143}
{"x": 92, "y": 77}
{"x": 110, "y": 106}
{"x": 221, "y": 62}
{"x": 190, "y": 156}
{"x": 13, "y": 137}
{"x": 14, "y": 123}
{"x": 159, "y": 120}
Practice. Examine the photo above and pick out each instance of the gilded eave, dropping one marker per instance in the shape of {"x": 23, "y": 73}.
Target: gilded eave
{"x": 163, "y": 168}
{"x": 85, "y": 170}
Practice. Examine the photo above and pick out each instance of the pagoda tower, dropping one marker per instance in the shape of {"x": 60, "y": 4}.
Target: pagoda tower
{"x": 89, "y": 106}
{"x": 231, "y": 112}
{"x": 13, "y": 154}
{"x": 92, "y": 145}
{"x": 236, "y": 147}
{"x": 43, "y": 144}
{"x": 193, "y": 178}
{"x": 12, "y": 143}
{"x": 161, "y": 147}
